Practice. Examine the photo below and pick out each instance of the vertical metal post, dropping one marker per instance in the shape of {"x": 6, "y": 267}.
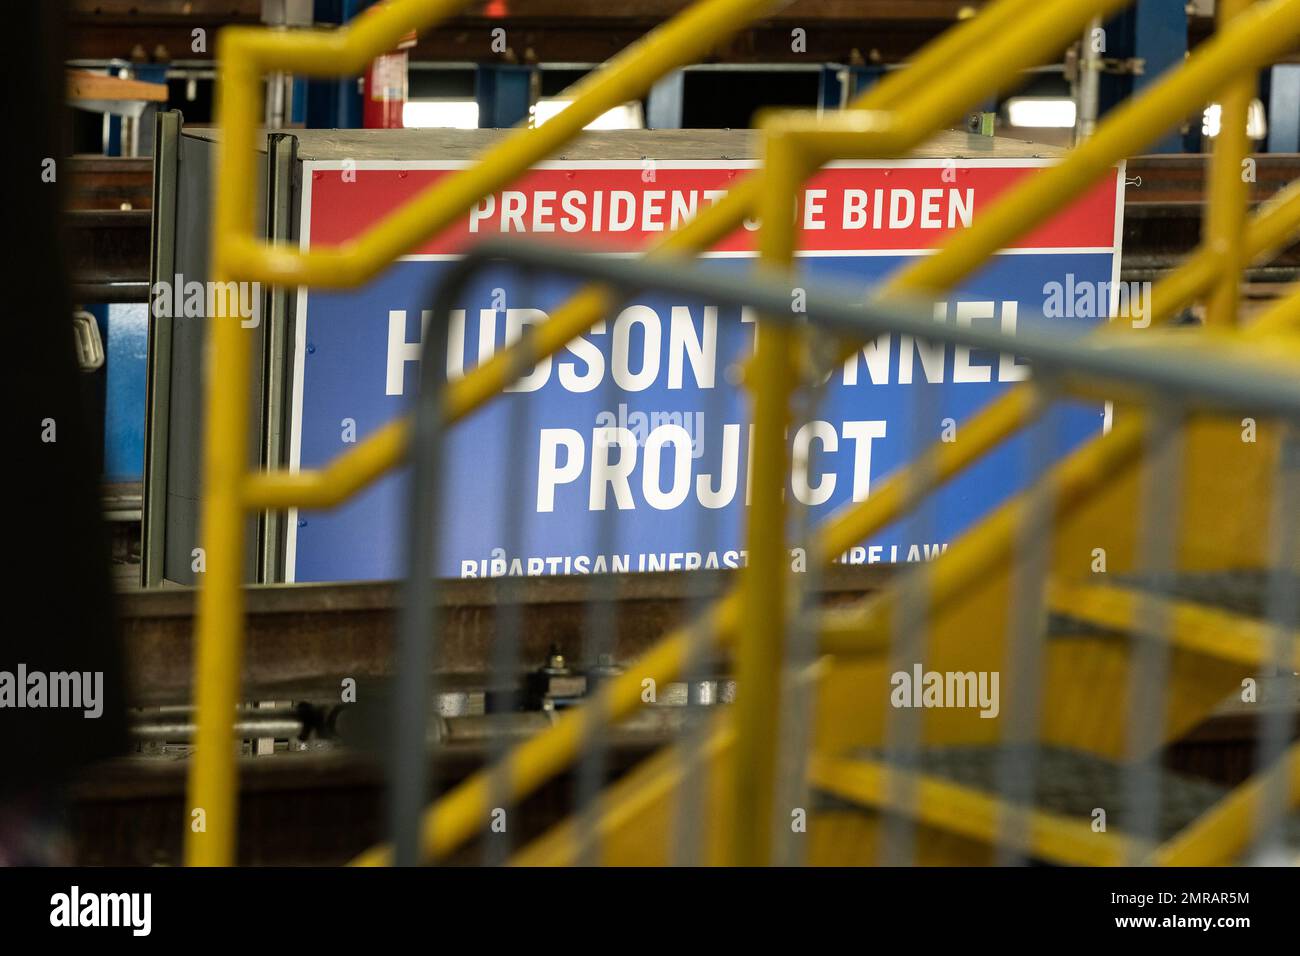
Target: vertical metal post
{"x": 276, "y": 347}
{"x": 1088, "y": 87}
{"x": 832, "y": 91}
{"x": 1149, "y": 661}
{"x": 599, "y": 640}
{"x": 665, "y": 102}
{"x": 763, "y": 619}
{"x": 505, "y": 94}
{"x": 1283, "y": 604}
{"x": 283, "y": 15}
{"x": 219, "y": 636}
{"x": 841, "y": 84}
{"x": 909, "y": 637}
{"x": 508, "y": 616}
{"x": 419, "y": 624}
{"x": 1284, "y": 108}
{"x": 1027, "y": 633}
{"x": 798, "y": 678}
{"x": 162, "y": 261}
{"x": 1225, "y": 216}
{"x": 689, "y": 834}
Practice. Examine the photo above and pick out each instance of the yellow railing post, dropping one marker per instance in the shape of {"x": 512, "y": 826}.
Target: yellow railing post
{"x": 763, "y": 587}
{"x": 1225, "y": 214}
{"x": 243, "y": 55}
{"x": 219, "y": 636}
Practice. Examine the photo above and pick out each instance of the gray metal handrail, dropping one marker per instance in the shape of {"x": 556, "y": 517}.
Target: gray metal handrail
{"x": 1198, "y": 375}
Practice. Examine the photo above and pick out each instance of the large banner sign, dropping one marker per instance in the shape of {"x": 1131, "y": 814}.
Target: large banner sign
{"x": 629, "y": 449}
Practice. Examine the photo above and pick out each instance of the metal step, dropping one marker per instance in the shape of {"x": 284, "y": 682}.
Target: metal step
{"x": 1241, "y": 592}
{"x": 1067, "y": 783}
{"x": 1244, "y": 592}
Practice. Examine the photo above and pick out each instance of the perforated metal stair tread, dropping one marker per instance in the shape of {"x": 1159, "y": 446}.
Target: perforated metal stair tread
{"x": 1069, "y": 783}
{"x": 1243, "y": 592}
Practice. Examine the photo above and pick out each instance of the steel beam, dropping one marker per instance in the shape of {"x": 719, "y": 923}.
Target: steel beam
{"x": 109, "y": 254}
{"x": 304, "y": 638}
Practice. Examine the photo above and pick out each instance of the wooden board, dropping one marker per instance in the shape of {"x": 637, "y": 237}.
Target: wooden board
{"x": 467, "y": 144}
{"x": 83, "y": 85}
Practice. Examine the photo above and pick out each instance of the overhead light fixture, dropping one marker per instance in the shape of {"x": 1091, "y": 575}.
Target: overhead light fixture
{"x": 1056, "y": 112}
{"x": 627, "y": 116}
{"x": 440, "y": 114}
{"x": 463, "y": 114}
{"x": 1256, "y": 122}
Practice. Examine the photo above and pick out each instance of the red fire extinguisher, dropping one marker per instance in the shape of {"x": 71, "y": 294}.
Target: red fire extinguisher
{"x": 384, "y": 90}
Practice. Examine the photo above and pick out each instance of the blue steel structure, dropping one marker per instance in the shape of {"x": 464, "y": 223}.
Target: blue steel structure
{"x": 331, "y": 103}
{"x": 124, "y": 329}
{"x": 126, "y": 347}
{"x": 841, "y": 83}
{"x": 1142, "y": 43}
{"x": 504, "y": 94}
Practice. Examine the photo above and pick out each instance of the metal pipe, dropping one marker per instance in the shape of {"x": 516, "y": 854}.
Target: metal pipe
{"x": 1225, "y": 214}
{"x": 456, "y": 814}
{"x": 1207, "y": 372}
{"x": 211, "y": 788}
{"x": 1087, "y": 90}
{"x": 764, "y": 580}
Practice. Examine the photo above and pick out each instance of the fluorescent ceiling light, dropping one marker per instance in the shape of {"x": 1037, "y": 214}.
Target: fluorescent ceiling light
{"x": 627, "y": 116}
{"x": 1041, "y": 112}
{"x": 463, "y": 114}
{"x": 1256, "y": 124}
{"x": 440, "y": 114}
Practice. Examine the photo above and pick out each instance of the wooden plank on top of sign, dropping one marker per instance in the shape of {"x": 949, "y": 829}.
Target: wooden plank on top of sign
{"x": 418, "y": 145}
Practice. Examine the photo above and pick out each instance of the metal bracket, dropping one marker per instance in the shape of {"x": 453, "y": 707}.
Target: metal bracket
{"x": 90, "y": 346}
{"x": 1123, "y": 66}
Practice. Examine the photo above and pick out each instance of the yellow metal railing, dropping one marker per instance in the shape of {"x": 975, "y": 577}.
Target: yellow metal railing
{"x": 961, "y": 68}
{"x": 1003, "y": 33}
{"x": 1262, "y": 35}
{"x": 229, "y": 491}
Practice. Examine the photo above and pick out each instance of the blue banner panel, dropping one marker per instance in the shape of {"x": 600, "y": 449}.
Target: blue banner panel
{"x": 629, "y": 449}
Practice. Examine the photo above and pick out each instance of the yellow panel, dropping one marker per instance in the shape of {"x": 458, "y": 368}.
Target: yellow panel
{"x": 637, "y": 818}
{"x": 1086, "y": 685}
{"x": 852, "y": 838}
{"x": 1227, "y": 495}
